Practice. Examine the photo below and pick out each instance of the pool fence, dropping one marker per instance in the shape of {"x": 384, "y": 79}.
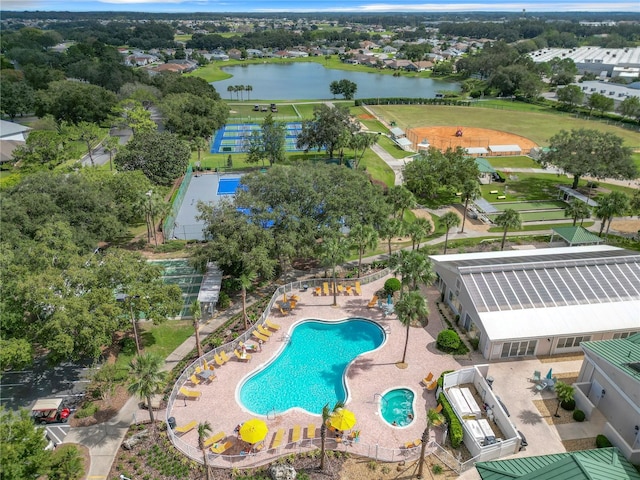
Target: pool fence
{"x": 170, "y": 220}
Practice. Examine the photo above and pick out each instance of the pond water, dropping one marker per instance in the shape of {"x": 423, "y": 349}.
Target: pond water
{"x": 308, "y": 80}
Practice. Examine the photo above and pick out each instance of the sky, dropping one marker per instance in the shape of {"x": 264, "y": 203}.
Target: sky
{"x": 359, "y": 6}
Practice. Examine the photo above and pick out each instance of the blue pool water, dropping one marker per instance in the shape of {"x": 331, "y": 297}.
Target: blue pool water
{"x": 396, "y": 406}
{"x": 309, "y": 372}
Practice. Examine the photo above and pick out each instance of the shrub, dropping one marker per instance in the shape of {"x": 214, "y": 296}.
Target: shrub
{"x": 455, "y": 428}
{"x": 569, "y": 405}
{"x": 87, "y": 410}
{"x": 448, "y": 340}
{"x": 603, "y": 442}
{"x": 170, "y": 246}
{"x": 436, "y": 469}
{"x": 475, "y": 342}
{"x": 223, "y": 301}
{"x": 392, "y": 285}
{"x": 579, "y": 416}
{"x": 128, "y": 346}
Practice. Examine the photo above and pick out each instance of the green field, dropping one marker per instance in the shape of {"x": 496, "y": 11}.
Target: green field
{"x": 512, "y": 162}
{"x": 537, "y": 216}
{"x": 521, "y": 206}
{"x": 537, "y": 126}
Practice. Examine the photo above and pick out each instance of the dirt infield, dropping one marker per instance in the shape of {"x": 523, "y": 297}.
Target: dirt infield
{"x": 445, "y": 137}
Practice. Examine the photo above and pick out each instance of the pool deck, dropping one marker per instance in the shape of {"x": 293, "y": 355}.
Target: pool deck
{"x": 371, "y": 373}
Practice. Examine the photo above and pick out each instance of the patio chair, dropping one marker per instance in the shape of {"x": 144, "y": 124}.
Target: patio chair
{"x": 325, "y": 288}
{"x": 218, "y": 359}
{"x": 348, "y": 290}
{"x": 191, "y": 394}
{"x": 294, "y": 298}
{"x": 432, "y": 385}
{"x": 438, "y": 408}
{"x": 241, "y": 358}
{"x": 340, "y": 288}
{"x": 205, "y": 365}
{"x": 311, "y": 431}
{"x": 292, "y": 304}
{"x": 358, "y": 289}
{"x": 295, "y": 434}
{"x": 318, "y": 291}
{"x": 426, "y": 381}
{"x": 260, "y": 336}
{"x": 224, "y": 356}
{"x": 277, "y": 438}
{"x": 198, "y": 369}
{"x": 536, "y": 376}
{"x": 194, "y": 379}
{"x": 540, "y": 387}
{"x": 271, "y": 325}
{"x": 214, "y": 439}
{"x": 283, "y": 312}
{"x": 186, "y": 428}
{"x": 264, "y": 331}
{"x": 372, "y": 302}
{"x": 221, "y": 448}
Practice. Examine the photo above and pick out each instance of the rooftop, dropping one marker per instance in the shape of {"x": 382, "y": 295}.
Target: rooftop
{"x": 577, "y": 235}
{"x": 623, "y": 353}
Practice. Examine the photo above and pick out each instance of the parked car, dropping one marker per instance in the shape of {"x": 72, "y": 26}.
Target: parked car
{"x": 50, "y": 410}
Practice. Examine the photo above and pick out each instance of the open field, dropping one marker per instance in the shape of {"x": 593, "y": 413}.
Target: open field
{"x": 536, "y": 126}
{"x": 521, "y": 206}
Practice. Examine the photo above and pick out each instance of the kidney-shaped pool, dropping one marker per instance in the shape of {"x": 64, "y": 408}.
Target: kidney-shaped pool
{"x": 309, "y": 372}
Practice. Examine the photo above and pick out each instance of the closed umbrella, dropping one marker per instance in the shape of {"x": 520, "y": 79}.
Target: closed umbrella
{"x": 253, "y": 431}
{"x": 550, "y": 374}
{"x": 342, "y": 419}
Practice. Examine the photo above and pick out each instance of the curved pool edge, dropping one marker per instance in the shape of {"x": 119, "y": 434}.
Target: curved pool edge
{"x": 279, "y": 351}
{"x": 413, "y": 405}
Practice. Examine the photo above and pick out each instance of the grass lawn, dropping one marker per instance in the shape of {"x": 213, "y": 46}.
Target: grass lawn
{"x": 512, "y": 162}
{"x": 182, "y": 38}
{"x": 244, "y": 113}
{"x": 537, "y": 126}
{"x": 377, "y": 168}
{"x": 394, "y": 150}
{"x": 545, "y": 226}
{"x": 159, "y": 339}
{"x": 538, "y": 216}
{"x": 520, "y": 206}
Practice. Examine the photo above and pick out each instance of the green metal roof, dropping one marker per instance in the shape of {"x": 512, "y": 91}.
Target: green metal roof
{"x": 619, "y": 352}
{"x": 577, "y": 235}
{"x": 484, "y": 166}
{"x": 603, "y": 463}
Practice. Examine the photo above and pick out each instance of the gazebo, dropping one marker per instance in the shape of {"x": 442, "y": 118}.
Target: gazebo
{"x": 576, "y": 236}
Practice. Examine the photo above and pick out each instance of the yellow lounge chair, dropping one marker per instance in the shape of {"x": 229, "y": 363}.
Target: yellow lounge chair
{"x": 259, "y": 336}
{"x": 194, "y": 379}
{"x": 358, "y": 289}
{"x": 218, "y": 359}
{"x": 416, "y": 443}
{"x": 277, "y": 438}
{"x": 311, "y": 431}
{"x": 340, "y": 289}
{"x": 221, "y": 447}
{"x": 224, "y": 356}
{"x": 264, "y": 331}
{"x": 239, "y": 356}
{"x": 325, "y": 288}
{"x": 214, "y": 439}
{"x": 198, "y": 370}
{"x": 271, "y": 325}
{"x": 439, "y": 408}
{"x": 372, "y": 302}
{"x": 283, "y": 312}
{"x": 318, "y": 291}
{"x": 205, "y": 365}
{"x": 426, "y": 381}
{"x": 348, "y": 290}
{"x": 295, "y": 434}
{"x": 186, "y": 428}
{"x": 432, "y": 385}
{"x": 193, "y": 394}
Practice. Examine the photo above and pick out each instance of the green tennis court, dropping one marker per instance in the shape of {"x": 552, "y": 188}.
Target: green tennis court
{"x": 537, "y": 216}
{"x": 522, "y": 206}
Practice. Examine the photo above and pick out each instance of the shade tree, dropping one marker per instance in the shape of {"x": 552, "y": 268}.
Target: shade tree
{"x": 190, "y": 116}
{"x": 75, "y": 102}
{"x": 268, "y": 143}
{"x": 609, "y": 206}
{"x": 327, "y": 129}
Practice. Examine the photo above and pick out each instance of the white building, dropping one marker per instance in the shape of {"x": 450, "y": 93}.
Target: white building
{"x": 592, "y": 59}
{"x": 542, "y": 301}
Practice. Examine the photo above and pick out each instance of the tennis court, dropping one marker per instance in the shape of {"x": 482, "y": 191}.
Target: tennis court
{"x": 233, "y": 138}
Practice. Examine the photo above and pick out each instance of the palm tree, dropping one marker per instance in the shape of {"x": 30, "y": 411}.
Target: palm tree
{"x": 391, "y": 227}
{"x": 612, "y": 205}
{"x": 577, "y": 209}
{"x": 230, "y": 89}
{"x": 363, "y": 237}
{"x": 196, "y": 315}
{"x": 414, "y": 268}
{"x": 564, "y": 393}
{"x": 240, "y": 88}
{"x": 411, "y": 308}
{"x": 420, "y": 229}
{"x": 199, "y": 144}
{"x": 249, "y": 89}
{"x": 204, "y": 429}
{"x": 334, "y": 251}
{"x": 326, "y": 414}
{"x": 146, "y": 378}
{"x": 246, "y": 280}
{"x": 433, "y": 419}
{"x": 448, "y": 220}
{"x": 400, "y": 198}
{"x": 508, "y": 219}
{"x": 470, "y": 191}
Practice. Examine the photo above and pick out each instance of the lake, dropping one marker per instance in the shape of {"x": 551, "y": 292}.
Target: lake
{"x": 309, "y": 80}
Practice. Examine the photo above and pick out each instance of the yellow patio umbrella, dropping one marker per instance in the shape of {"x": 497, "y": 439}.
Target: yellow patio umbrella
{"x": 342, "y": 419}
{"x": 253, "y": 431}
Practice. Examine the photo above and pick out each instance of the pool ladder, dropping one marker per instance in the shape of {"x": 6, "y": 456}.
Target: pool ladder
{"x": 379, "y": 395}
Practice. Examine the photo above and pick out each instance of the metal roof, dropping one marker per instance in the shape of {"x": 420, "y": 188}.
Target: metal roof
{"x": 8, "y": 129}
{"x": 602, "y": 463}
{"x": 622, "y": 353}
{"x": 505, "y": 148}
{"x": 483, "y": 164}
{"x": 210, "y": 287}
{"x": 577, "y": 235}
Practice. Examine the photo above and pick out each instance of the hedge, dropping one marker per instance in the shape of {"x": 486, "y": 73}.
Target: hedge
{"x": 456, "y": 433}
{"x": 411, "y": 101}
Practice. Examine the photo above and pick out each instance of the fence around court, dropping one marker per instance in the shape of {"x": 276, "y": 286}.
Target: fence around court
{"x": 170, "y": 221}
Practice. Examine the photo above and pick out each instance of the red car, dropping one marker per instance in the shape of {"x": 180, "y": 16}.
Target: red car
{"x": 49, "y": 410}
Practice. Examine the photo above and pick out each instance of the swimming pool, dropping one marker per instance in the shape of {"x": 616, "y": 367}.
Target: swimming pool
{"x": 396, "y": 407}
{"x": 309, "y": 372}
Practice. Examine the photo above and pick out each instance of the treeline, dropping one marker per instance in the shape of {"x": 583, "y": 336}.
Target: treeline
{"x": 137, "y": 35}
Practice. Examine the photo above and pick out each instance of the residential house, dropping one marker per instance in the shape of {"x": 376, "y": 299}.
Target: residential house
{"x": 234, "y": 53}
{"x": 12, "y": 135}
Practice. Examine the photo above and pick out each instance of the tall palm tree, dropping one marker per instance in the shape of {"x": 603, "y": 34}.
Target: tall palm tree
{"x": 204, "y": 429}
{"x": 420, "y": 229}
{"x": 391, "y": 227}
{"x": 326, "y": 414}
{"x": 333, "y": 252}
{"x": 470, "y": 191}
{"x": 401, "y": 199}
{"x": 612, "y": 205}
{"x": 411, "y": 308}
{"x": 363, "y": 237}
{"x": 246, "y": 280}
{"x": 240, "y": 88}
{"x": 433, "y": 420}
{"x": 415, "y": 269}
{"x": 577, "y": 209}
{"x": 448, "y": 220}
{"x": 147, "y": 379}
{"x": 196, "y": 315}
{"x": 509, "y": 219}
{"x": 230, "y": 89}
{"x": 249, "y": 89}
